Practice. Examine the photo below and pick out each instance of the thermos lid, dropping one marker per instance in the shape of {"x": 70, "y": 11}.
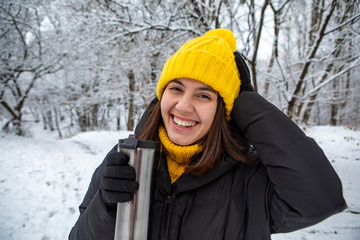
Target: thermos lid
{"x": 132, "y": 143}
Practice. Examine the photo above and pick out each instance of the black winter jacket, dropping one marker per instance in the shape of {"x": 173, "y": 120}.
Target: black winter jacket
{"x": 289, "y": 185}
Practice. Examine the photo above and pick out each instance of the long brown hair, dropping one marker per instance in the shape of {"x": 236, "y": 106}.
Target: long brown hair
{"x": 218, "y": 141}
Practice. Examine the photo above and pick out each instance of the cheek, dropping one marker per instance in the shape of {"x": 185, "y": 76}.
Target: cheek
{"x": 208, "y": 115}
{"x": 165, "y": 104}
{"x": 162, "y": 108}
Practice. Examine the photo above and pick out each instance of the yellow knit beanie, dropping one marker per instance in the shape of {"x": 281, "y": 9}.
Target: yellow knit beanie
{"x": 208, "y": 59}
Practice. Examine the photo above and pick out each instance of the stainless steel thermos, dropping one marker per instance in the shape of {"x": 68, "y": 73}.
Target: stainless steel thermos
{"x": 133, "y": 220}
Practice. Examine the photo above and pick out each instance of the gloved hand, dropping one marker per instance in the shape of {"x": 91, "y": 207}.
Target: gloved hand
{"x": 244, "y": 73}
{"x": 118, "y": 180}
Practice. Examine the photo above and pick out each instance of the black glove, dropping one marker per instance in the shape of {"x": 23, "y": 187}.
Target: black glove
{"x": 118, "y": 180}
{"x": 244, "y": 73}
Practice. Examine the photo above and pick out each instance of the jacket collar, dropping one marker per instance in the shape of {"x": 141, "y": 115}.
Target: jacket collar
{"x": 188, "y": 181}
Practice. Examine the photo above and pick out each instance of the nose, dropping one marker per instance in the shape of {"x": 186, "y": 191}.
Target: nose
{"x": 185, "y": 104}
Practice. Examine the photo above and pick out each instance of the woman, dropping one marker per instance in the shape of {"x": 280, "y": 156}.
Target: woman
{"x": 211, "y": 183}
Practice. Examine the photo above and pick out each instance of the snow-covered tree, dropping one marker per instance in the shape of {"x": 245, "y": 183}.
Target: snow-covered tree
{"x": 25, "y": 58}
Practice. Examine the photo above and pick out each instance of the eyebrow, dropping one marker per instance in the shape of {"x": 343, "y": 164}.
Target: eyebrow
{"x": 200, "y": 88}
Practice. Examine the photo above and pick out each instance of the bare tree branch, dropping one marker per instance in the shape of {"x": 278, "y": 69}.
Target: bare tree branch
{"x": 311, "y": 55}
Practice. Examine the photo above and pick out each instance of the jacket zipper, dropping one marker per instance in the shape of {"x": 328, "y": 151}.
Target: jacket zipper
{"x": 165, "y": 221}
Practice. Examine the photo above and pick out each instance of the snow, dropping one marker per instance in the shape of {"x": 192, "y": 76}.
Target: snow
{"x": 43, "y": 180}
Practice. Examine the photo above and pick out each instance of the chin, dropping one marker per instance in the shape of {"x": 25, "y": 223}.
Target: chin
{"x": 181, "y": 142}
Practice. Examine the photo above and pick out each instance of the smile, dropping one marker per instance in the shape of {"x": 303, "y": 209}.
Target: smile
{"x": 183, "y": 123}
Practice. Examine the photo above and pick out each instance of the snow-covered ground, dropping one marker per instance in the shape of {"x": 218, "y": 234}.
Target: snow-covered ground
{"x": 43, "y": 180}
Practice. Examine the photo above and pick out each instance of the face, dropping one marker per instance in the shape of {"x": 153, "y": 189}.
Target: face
{"x": 188, "y": 109}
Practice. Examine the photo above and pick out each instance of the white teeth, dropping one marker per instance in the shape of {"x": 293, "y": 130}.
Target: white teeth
{"x": 183, "y": 123}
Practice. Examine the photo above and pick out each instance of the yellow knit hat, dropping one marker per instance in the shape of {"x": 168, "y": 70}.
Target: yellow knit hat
{"x": 209, "y": 59}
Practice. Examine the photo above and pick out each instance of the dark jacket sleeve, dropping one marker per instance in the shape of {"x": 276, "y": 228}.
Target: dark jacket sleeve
{"x": 304, "y": 188}
{"x": 95, "y": 220}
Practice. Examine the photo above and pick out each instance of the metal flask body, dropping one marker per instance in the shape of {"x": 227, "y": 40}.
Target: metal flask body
{"x": 133, "y": 220}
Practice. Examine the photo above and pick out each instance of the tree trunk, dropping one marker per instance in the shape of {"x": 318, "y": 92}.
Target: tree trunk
{"x": 274, "y": 52}
{"x": 118, "y": 119}
{"x": 82, "y": 118}
{"x": 57, "y": 122}
{"x": 94, "y": 114}
{"x": 256, "y": 39}
{"x": 130, "y": 124}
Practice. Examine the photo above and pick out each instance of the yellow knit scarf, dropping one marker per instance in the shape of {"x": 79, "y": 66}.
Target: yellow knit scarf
{"x": 178, "y": 157}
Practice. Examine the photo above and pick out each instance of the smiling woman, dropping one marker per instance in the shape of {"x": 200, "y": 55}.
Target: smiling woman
{"x": 233, "y": 166}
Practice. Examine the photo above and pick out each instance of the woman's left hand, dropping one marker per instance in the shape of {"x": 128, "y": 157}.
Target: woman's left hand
{"x": 244, "y": 73}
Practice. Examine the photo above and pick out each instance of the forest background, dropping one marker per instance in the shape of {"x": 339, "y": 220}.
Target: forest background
{"x": 75, "y": 75}
{"x": 82, "y": 65}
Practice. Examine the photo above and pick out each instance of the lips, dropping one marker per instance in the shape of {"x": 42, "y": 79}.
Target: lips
{"x": 183, "y": 123}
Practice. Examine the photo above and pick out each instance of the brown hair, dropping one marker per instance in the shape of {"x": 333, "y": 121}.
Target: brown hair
{"x": 218, "y": 141}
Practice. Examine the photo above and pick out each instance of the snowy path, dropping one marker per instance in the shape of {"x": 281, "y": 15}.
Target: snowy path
{"x": 43, "y": 180}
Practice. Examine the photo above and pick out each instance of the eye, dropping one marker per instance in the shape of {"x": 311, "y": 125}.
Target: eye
{"x": 175, "y": 89}
{"x": 204, "y": 96}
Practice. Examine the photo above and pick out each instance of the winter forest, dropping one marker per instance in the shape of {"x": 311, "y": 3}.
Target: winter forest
{"x": 76, "y": 65}
{"x": 76, "y": 75}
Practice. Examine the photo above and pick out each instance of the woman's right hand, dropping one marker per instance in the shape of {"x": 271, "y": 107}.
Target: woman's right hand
{"x": 118, "y": 180}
